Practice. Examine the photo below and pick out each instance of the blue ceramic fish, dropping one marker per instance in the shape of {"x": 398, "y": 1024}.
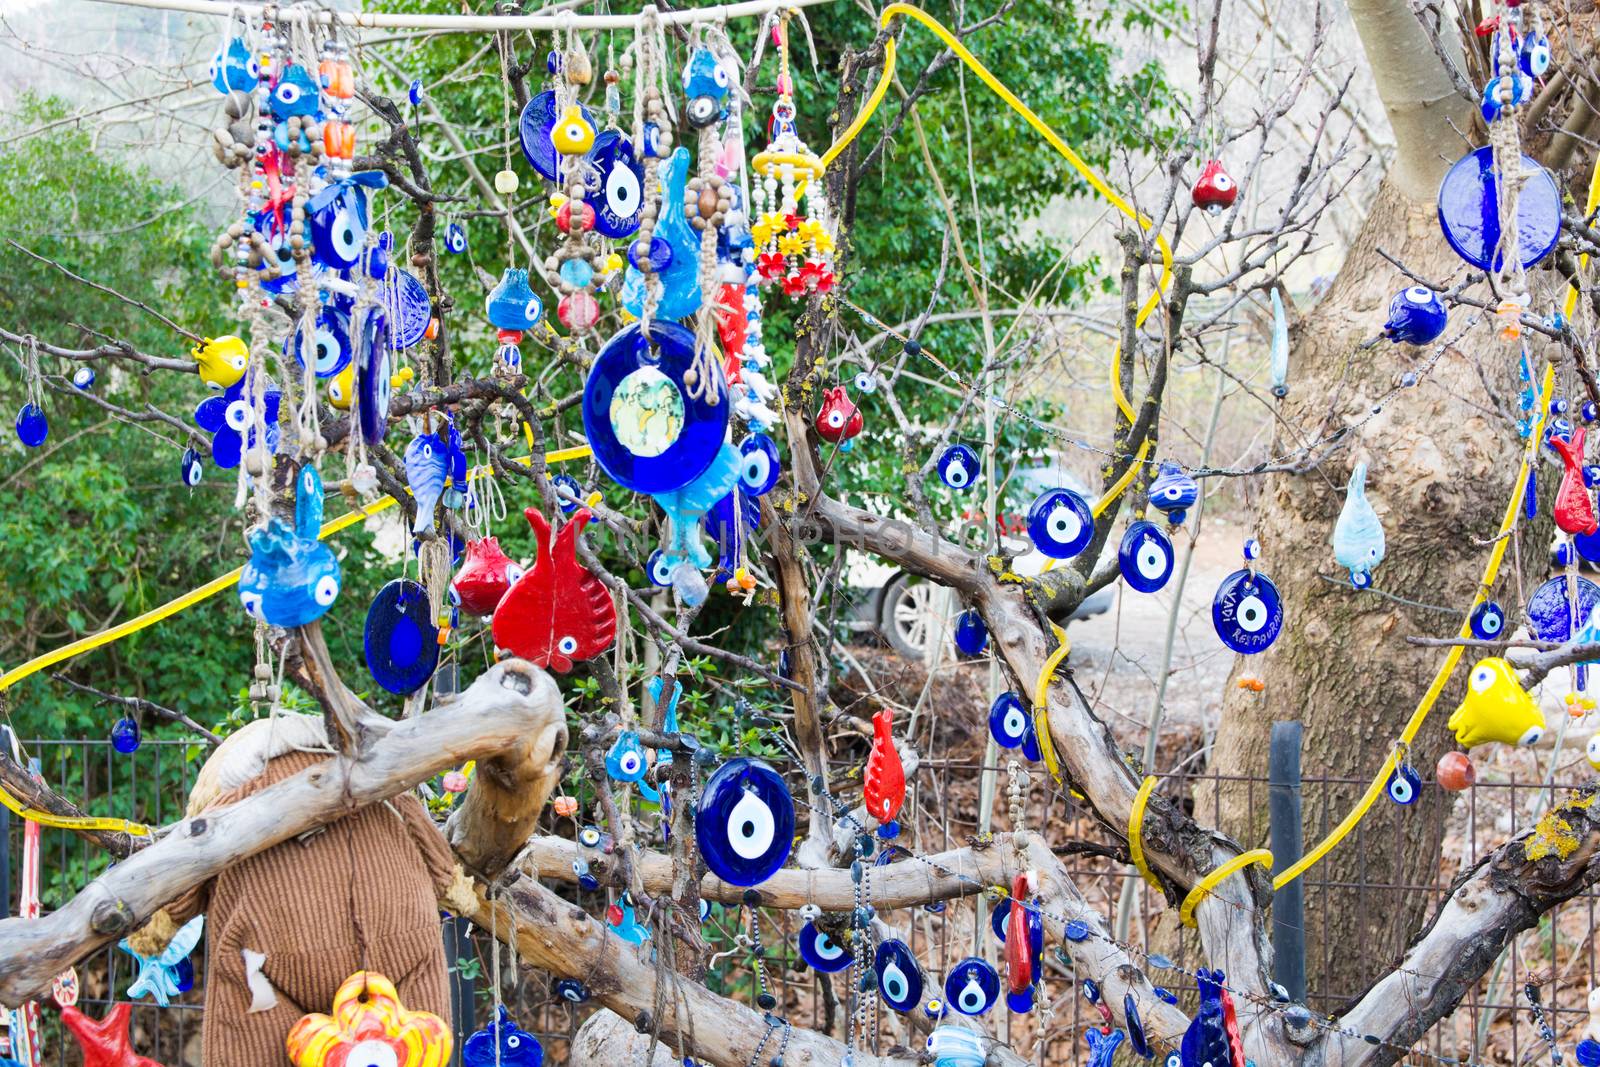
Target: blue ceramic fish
{"x": 502, "y": 1043}
{"x": 1358, "y": 535}
{"x": 686, "y": 506}
{"x": 292, "y": 578}
{"x": 233, "y": 68}
{"x": 436, "y": 470}
{"x": 705, "y": 84}
{"x": 679, "y": 272}
{"x": 1173, "y": 492}
{"x": 1416, "y": 316}
{"x": 295, "y": 96}
{"x": 158, "y": 974}
{"x": 1280, "y": 348}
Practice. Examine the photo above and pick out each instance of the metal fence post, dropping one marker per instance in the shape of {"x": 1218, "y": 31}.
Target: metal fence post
{"x": 1288, "y": 905}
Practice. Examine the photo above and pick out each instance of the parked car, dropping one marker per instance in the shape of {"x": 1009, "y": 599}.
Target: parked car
{"x": 909, "y": 612}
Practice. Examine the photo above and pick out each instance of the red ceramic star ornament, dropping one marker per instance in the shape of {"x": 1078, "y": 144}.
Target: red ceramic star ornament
{"x": 1574, "y": 507}
{"x": 105, "y": 1042}
{"x": 558, "y": 613}
{"x": 884, "y": 784}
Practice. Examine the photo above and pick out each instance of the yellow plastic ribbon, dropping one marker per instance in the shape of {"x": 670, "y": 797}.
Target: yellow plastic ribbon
{"x": 1204, "y": 887}
{"x": 63, "y": 822}
{"x": 1136, "y": 829}
{"x": 1041, "y": 702}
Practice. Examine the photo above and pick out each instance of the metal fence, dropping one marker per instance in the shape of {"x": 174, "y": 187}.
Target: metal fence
{"x": 1493, "y": 1025}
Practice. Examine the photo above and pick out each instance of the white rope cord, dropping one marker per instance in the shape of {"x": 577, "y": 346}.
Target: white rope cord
{"x": 473, "y": 23}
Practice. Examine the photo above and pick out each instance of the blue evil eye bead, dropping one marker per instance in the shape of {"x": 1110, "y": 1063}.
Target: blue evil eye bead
{"x": 376, "y": 368}
{"x": 744, "y": 822}
{"x": 1060, "y": 523}
{"x": 958, "y": 467}
{"x": 83, "y": 378}
{"x": 1145, "y": 556}
{"x": 1251, "y": 549}
{"x": 1416, "y": 316}
{"x": 1136, "y": 1038}
{"x": 502, "y": 1043}
{"x": 1247, "y": 612}
{"x": 1589, "y": 412}
{"x": 1173, "y": 492}
{"x": 1470, "y": 218}
{"x": 1534, "y": 55}
{"x": 402, "y": 643}
{"x": 330, "y": 343}
{"x": 32, "y": 426}
{"x": 534, "y": 128}
{"x": 1404, "y": 785}
{"x": 618, "y": 208}
{"x": 569, "y": 494}
{"x": 900, "y": 978}
{"x": 571, "y": 990}
{"x": 125, "y": 735}
{"x": 1008, "y": 720}
{"x": 1508, "y": 90}
{"x": 997, "y": 919}
{"x": 758, "y": 464}
{"x": 822, "y": 952}
{"x": 972, "y": 636}
{"x": 512, "y": 305}
{"x": 972, "y": 986}
{"x": 648, "y": 434}
{"x": 934, "y": 1008}
{"x": 338, "y": 225}
{"x": 1030, "y": 744}
{"x": 415, "y": 92}
{"x": 190, "y": 468}
{"x": 1587, "y": 1052}
{"x": 866, "y": 382}
{"x": 625, "y": 762}
{"x": 1560, "y": 554}
{"x": 659, "y": 567}
{"x": 1174, "y": 1059}
{"x": 1091, "y": 990}
{"x": 455, "y": 239}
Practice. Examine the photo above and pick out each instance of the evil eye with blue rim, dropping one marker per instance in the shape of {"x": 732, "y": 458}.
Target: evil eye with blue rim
{"x": 625, "y": 762}
{"x": 758, "y": 464}
{"x": 1404, "y": 785}
{"x": 900, "y": 978}
{"x": 83, "y": 378}
{"x": 1030, "y": 744}
{"x": 1247, "y": 612}
{"x": 744, "y": 823}
{"x": 934, "y": 1008}
{"x": 1488, "y": 621}
{"x": 659, "y": 567}
{"x": 1020, "y": 1003}
{"x": 569, "y": 494}
{"x": 621, "y": 179}
{"x": 1136, "y": 1038}
{"x": 455, "y": 239}
{"x": 972, "y": 986}
{"x": 958, "y": 467}
{"x": 191, "y": 468}
{"x": 1060, "y": 523}
{"x": 821, "y": 951}
{"x": 571, "y": 990}
{"x": 339, "y": 226}
{"x": 972, "y": 636}
{"x": 1534, "y": 55}
{"x": 330, "y": 343}
{"x": 1145, "y": 556}
{"x": 1008, "y": 720}
{"x": 998, "y": 918}
{"x": 1174, "y": 1059}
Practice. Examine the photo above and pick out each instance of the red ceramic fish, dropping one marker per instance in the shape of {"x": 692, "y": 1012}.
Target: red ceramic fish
{"x": 1216, "y": 190}
{"x": 485, "y": 575}
{"x": 1019, "y": 965}
{"x": 1574, "y": 507}
{"x": 839, "y": 420}
{"x": 885, "y": 780}
{"x": 105, "y": 1042}
{"x": 558, "y": 613}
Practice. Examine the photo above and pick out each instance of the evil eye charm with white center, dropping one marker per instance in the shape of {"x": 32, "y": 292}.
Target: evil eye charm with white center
{"x": 758, "y": 464}
{"x": 338, "y": 225}
{"x": 190, "y": 468}
{"x": 900, "y": 979}
{"x": 621, "y": 201}
{"x": 972, "y": 986}
{"x": 1488, "y": 621}
{"x": 571, "y": 990}
{"x": 1516, "y": 85}
{"x": 1247, "y": 612}
{"x": 1416, "y": 316}
{"x": 1404, "y": 785}
{"x": 958, "y": 467}
{"x": 83, "y": 378}
{"x": 1008, "y": 721}
{"x": 1145, "y": 556}
{"x": 821, "y": 951}
{"x": 1534, "y": 55}
{"x": 625, "y": 762}
{"x": 569, "y": 494}
{"x": 659, "y": 568}
{"x": 1173, "y": 492}
{"x": 330, "y": 343}
{"x": 744, "y": 823}
{"x": 972, "y": 636}
{"x": 1174, "y": 1059}
{"x": 455, "y": 239}
{"x": 1060, "y": 523}
{"x": 867, "y": 382}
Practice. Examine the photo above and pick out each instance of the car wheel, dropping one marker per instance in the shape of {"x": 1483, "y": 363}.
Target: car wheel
{"x": 908, "y": 619}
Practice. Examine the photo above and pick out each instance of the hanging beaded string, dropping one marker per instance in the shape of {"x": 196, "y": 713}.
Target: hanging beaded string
{"x": 707, "y": 200}
{"x": 652, "y": 139}
{"x": 574, "y": 269}
{"x": 1536, "y": 1009}
{"x": 32, "y": 379}
{"x": 506, "y": 181}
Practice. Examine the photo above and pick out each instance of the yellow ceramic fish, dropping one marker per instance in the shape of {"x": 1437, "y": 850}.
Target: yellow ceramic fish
{"x": 1496, "y": 708}
{"x": 342, "y": 387}
{"x": 222, "y": 360}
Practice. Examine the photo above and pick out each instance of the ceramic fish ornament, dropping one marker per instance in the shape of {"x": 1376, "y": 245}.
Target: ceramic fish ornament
{"x": 1173, "y": 492}
{"x": 233, "y": 69}
{"x": 558, "y": 613}
{"x": 1358, "y": 535}
{"x": 624, "y": 923}
{"x": 1574, "y": 507}
{"x": 1279, "y": 361}
{"x": 1496, "y": 708}
{"x": 673, "y": 252}
{"x": 884, "y": 787}
{"x": 688, "y": 505}
{"x": 502, "y": 1043}
{"x": 435, "y": 464}
{"x": 158, "y": 974}
{"x": 485, "y": 575}
{"x": 838, "y": 420}
{"x": 105, "y": 1042}
{"x": 292, "y": 578}
{"x": 221, "y": 361}
{"x": 369, "y": 1025}
{"x": 1216, "y": 190}
{"x": 705, "y": 84}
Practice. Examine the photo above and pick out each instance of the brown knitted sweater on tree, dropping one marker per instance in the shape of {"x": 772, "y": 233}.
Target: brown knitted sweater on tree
{"x": 358, "y": 894}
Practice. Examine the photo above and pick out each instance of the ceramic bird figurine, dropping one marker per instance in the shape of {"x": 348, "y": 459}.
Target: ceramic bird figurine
{"x": 158, "y": 974}
{"x": 1496, "y": 708}
{"x": 558, "y": 613}
{"x": 1358, "y": 535}
{"x": 105, "y": 1042}
{"x": 1574, "y": 507}
{"x": 885, "y": 780}
{"x": 221, "y": 360}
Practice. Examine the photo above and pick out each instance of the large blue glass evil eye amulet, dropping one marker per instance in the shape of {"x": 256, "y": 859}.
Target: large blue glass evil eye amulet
{"x": 1008, "y": 721}
{"x": 1145, "y": 556}
{"x": 744, "y": 823}
{"x": 402, "y": 643}
{"x": 972, "y": 986}
{"x": 821, "y": 951}
{"x": 1247, "y": 612}
{"x": 1404, "y": 785}
{"x": 1469, "y": 211}
{"x": 1550, "y": 613}
{"x": 1060, "y": 523}
{"x": 958, "y": 467}
{"x": 971, "y": 635}
{"x": 900, "y": 978}
{"x": 621, "y": 201}
{"x": 1488, "y": 621}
